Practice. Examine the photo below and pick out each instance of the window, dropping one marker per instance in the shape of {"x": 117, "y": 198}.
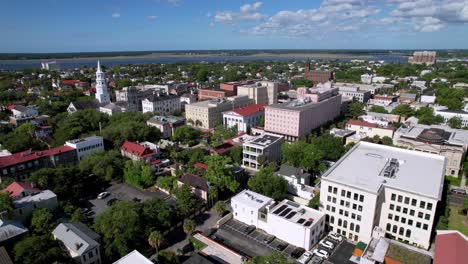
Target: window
{"x": 340, "y": 212}
{"x": 353, "y": 216}
{"x": 414, "y": 202}
{"x": 333, "y": 200}
{"x": 329, "y": 189}
{"x": 348, "y": 194}
{"x": 427, "y": 216}
{"x": 351, "y": 226}
{"x": 361, "y": 198}
{"x": 333, "y": 209}
{"x": 360, "y": 208}
{"x": 402, "y": 231}
{"x": 340, "y": 222}
{"x": 429, "y": 206}
{"x": 389, "y": 227}
{"x": 422, "y": 204}
{"x": 332, "y": 219}
{"x": 343, "y": 193}
{"x": 398, "y": 208}
{"x": 355, "y": 197}
{"x": 358, "y": 217}
{"x": 345, "y": 224}
{"x": 90, "y": 254}
{"x": 405, "y": 210}
{"x": 346, "y": 213}
{"x": 406, "y": 200}
{"x": 411, "y": 212}
{"x": 335, "y": 190}
{"x": 425, "y": 226}
{"x": 347, "y": 204}
{"x": 397, "y": 218}
{"x": 354, "y": 206}
{"x": 408, "y": 232}
{"x": 418, "y": 224}
{"x": 328, "y": 207}
{"x": 420, "y": 215}
{"x": 392, "y": 207}
{"x": 393, "y": 197}
{"x": 390, "y": 216}
{"x": 394, "y": 229}
{"x": 357, "y": 228}
{"x": 329, "y": 198}
{"x": 410, "y": 222}
{"x": 400, "y": 198}
{"x": 341, "y": 202}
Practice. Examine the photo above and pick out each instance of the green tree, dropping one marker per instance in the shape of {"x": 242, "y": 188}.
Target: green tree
{"x": 330, "y": 146}
{"x": 293, "y": 153}
{"x": 236, "y": 155}
{"x": 106, "y": 165}
{"x": 403, "y": 110}
{"x": 78, "y": 216}
{"x": 274, "y": 258}
{"x": 21, "y": 139}
{"x": 261, "y": 121}
{"x": 189, "y": 226}
{"x": 80, "y": 123}
{"x": 123, "y": 83}
{"x": 221, "y": 133}
{"x": 156, "y": 214}
{"x": 42, "y": 221}
{"x": 266, "y": 183}
{"x": 378, "y": 109}
{"x": 315, "y": 202}
{"x": 187, "y": 202}
{"x": 386, "y": 140}
{"x": 220, "y": 174}
{"x": 6, "y": 204}
{"x": 452, "y": 98}
{"x": 302, "y": 83}
{"x": 355, "y": 110}
{"x": 186, "y": 135}
{"x": 168, "y": 257}
{"x": 138, "y": 174}
{"x": 121, "y": 227}
{"x": 455, "y": 122}
{"x": 39, "y": 250}
{"x": 132, "y": 130}
{"x": 426, "y": 116}
{"x": 202, "y": 75}
{"x": 220, "y": 207}
{"x": 155, "y": 240}
{"x": 166, "y": 182}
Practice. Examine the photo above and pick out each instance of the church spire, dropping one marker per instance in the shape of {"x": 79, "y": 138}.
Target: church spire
{"x": 102, "y": 95}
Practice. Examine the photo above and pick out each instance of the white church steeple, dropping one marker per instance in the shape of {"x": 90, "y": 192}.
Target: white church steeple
{"x": 102, "y": 95}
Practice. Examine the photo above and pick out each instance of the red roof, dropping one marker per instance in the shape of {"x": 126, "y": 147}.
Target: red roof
{"x": 29, "y": 155}
{"x": 16, "y": 188}
{"x": 249, "y": 110}
{"x": 72, "y": 82}
{"x": 201, "y": 165}
{"x": 10, "y": 106}
{"x": 137, "y": 149}
{"x": 223, "y": 148}
{"x": 356, "y": 122}
{"x": 450, "y": 247}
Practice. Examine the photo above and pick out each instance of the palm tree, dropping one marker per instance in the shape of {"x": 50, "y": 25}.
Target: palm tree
{"x": 220, "y": 207}
{"x": 212, "y": 194}
{"x": 189, "y": 226}
{"x": 155, "y": 239}
{"x": 190, "y": 121}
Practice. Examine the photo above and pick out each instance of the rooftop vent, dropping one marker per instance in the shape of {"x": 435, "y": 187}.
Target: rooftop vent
{"x": 390, "y": 168}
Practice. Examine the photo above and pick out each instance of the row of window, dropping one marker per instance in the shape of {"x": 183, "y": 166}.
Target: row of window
{"x": 410, "y": 221}
{"x": 414, "y": 202}
{"x": 344, "y": 212}
{"x": 345, "y": 203}
{"x": 411, "y": 212}
{"x": 90, "y": 147}
{"x": 347, "y": 194}
{"x": 400, "y": 231}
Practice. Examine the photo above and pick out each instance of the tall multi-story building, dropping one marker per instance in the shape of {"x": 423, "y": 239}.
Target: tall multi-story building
{"x": 209, "y": 114}
{"x": 261, "y": 149}
{"x": 296, "y": 224}
{"x": 244, "y": 118}
{"x": 162, "y": 104}
{"x": 441, "y": 140}
{"x": 355, "y": 93}
{"x": 318, "y": 77}
{"x": 397, "y": 190}
{"x": 423, "y": 57}
{"x": 133, "y": 96}
{"x": 264, "y": 92}
{"x": 86, "y": 146}
{"x": 295, "y": 119}
{"x": 102, "y": 95}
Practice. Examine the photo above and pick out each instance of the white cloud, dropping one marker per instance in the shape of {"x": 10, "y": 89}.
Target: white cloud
{"x": 428, "y": 24}
{"x": 250, "y": 7}
{"x": 174, "y": 2}
{"x": 152, "y": 17}
{"x": 115, "y": 15}
{"x": 248, "y": 12}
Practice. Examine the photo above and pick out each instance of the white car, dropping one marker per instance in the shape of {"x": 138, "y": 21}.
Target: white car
{"x": 321, "y": 253}
{"x": 327, "y": 244}
{"x": 103, "y": 195}
{"x": 335, "y": 237}
{"x": 305, "y": 257}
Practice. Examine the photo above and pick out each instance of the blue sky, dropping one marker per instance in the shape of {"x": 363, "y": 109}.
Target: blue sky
{"x": 116, "y": 25}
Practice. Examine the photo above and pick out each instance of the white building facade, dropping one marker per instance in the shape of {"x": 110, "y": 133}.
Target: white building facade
{"x": 102, "y": 95}
{"x": 398, "y": 190}
{"x": 266, "y": 147}
{"x": 86, "y": 146}
{"x": 162, "y": 104}
{"x": 244, "y": 118}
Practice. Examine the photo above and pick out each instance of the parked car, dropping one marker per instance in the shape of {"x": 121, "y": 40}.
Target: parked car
{"x": 335, "y": 236}
{"x": 296, "y": 253}
{"x": 327, "y": 244}
{"x": 112, "y": 201}
{"x": 305, "y": 257}
{"x": 103, "y": 195}
{"x": 86, "y": 210}
{"x": 281, "y": 246}
{"x": 268, "y": 239}
{"x": 316, "y": 260}
{"x": 458, "y": 191}
{"x": 321, "y": 253}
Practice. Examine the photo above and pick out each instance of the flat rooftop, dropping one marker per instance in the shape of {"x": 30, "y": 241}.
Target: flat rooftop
{"x": 297, "y": 213}
{"x": 407, "y": 170}
{"x": 252, "y": 199}
{"x": 264, "y": 140}
{"x": 435, "y": 133}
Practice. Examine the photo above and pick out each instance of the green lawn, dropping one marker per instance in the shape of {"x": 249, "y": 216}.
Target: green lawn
{"x": 197, "y": 244}
{"x": 453, "y": 180}
{"x": 457, "y": 221}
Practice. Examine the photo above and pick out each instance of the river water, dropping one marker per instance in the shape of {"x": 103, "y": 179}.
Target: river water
{"x": 109, "y": 62}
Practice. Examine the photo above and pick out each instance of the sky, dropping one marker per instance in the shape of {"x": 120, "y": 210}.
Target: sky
{"x": 136, "y": 25}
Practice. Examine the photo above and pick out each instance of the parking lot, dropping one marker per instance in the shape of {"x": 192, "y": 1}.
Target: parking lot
{"x": 236, "y": 235}
{"x": 124, "y": 192}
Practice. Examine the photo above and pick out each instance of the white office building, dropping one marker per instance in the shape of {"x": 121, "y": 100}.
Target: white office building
{"x": 86, "y": 146}
{"x": 397, "y": 190}
{"x": 244, "y": 118}
{"x": 296, "y": 224}
{"x": 162, "y": 104}
{"x": 263, "y": 148}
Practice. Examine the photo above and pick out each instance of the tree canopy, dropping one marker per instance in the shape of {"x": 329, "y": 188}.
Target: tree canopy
{"x": 42, "y": 221}
{"x": 187, "y": 202}
{"x": 378, "y": 109}
{"x": 38, "y": 250}
{"x": 186, "y": 135}
{"x": 138, "y": 174}
{"x": 78, "y": 124}
{"x": 106, "y": 165}
{"x": 403, "y": 110}
{"x": 220, "y": 174}
{"x": 355, "y": 110}
{"x": 268, "y": 184}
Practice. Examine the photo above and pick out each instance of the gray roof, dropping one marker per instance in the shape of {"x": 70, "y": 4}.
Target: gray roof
{"x": 86, "y": 104}
{"x": 365, "y": 167}
{"x": 41, "y": 196}
{"x": 74, "y": 239}
{"x": 10, "y": 229}
{"x": 450, "y": 136}
{"x": 290, "y": 171}
{"x": 4, "y": 258}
